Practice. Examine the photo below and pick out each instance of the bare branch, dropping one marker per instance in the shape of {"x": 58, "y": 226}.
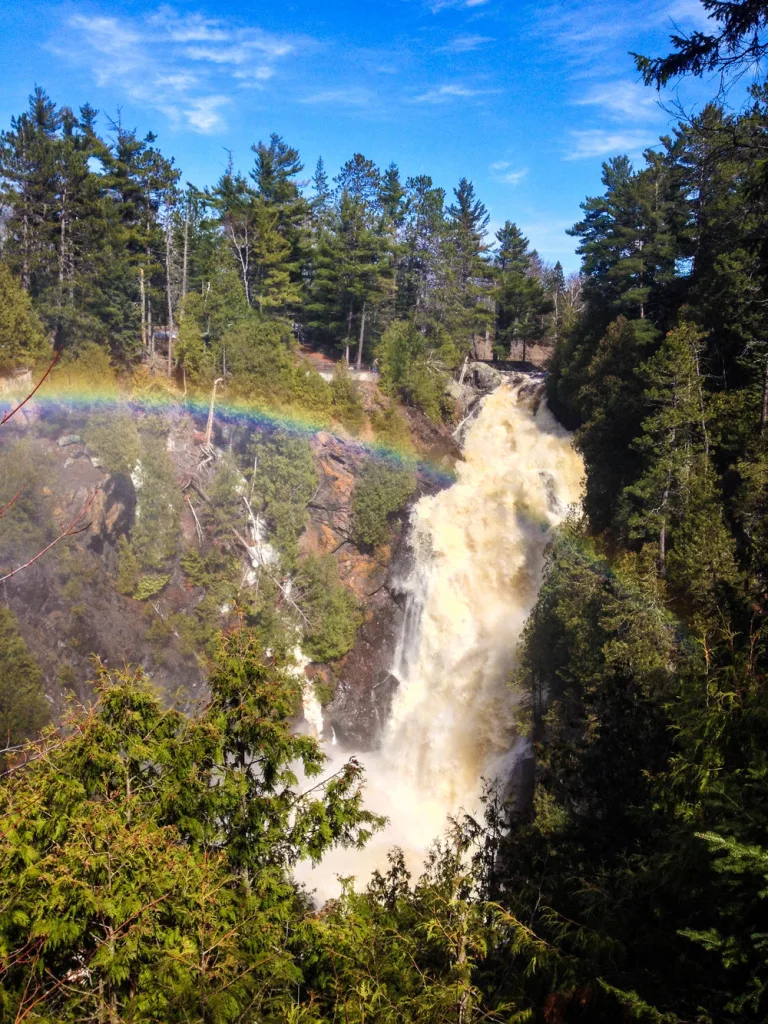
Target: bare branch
{"x": 69, "y": 531}
{"x": 5, "y": 508}
{"x": 31, "y": 393}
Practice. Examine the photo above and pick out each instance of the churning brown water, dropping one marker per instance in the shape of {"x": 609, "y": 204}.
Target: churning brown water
{"x": 478, "y": 556}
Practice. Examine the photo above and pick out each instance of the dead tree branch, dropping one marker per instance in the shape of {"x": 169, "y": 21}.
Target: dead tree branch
{"x": 70, "y": 531}
{"x": 34, "y": 389}
{"x": 5, "y": 507}
{"x": 197, "y": 521}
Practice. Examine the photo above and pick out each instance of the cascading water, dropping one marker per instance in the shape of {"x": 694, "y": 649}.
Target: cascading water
{"x": 478, "y": 557}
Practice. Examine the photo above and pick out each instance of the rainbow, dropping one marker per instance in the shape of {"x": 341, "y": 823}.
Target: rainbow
{"x": 72, "y": 395}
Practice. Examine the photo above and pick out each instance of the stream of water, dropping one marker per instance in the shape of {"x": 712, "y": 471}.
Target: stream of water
{"x": 478, "y": 556}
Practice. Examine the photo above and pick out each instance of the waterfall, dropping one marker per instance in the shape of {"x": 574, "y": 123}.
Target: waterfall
{"x": 478, "y": 556}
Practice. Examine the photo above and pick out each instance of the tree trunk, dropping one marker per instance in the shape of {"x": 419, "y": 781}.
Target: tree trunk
{"x": 764, "y": 406}
{"x": 62, "y": 240}
{"x": 557, "y": 316}
{"x": 211, "y": 409}
{"x": 150, "y": 331}
{"x": 349, "y": 332}
{"x": 168, "y": 253}
{"x": 360, "y": 342}
{"x": 25, "y": 272}
{"x": 143, "y": 310}
{"x": 185, "y": 261}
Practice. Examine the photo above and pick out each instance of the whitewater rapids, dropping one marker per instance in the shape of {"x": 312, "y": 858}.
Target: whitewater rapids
{"x": 478, "y": 557}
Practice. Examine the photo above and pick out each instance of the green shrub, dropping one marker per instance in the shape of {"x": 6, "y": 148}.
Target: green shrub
{"x": 413, "y": 368}
{"x": 115, "y": 439}
{"x": 332, "y": 614}
{"x": 325, "y": 690}
{"x": 392, "y": 429}
{"x": 156, "y": 530}
{"x": 220, "y": 574}
{"x": 23, "y": 707}
{"x": 160, "y": 632}
{"x": 128, "y": 568}
{"x": 225, "y": 508}
{"x": 190, "y": 351}
{"x": 345, "y": 396}
{"x": 381, "y": 490}
{"x": 283, "y": 482}
{"x": 148, "y": 586}
{"x": 27, "y": 525}
{"x": 22, "y": 338}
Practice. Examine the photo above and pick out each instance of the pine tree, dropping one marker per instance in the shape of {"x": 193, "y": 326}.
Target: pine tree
{"x": 522, "y": 302}
{"x": 22, "y": 339}
{"x": 467, "y": 223}
{"x": 321, "y": 200}
{"x": 676, "y": 490}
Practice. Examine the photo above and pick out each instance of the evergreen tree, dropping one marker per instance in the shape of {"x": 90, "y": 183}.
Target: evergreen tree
{"x": 22, "y": 339}
{"x": 23, "y": 707}
{"x": 321, "y": 200}
{"x": 522, "y": 302}
{"x": 467, "y": 247}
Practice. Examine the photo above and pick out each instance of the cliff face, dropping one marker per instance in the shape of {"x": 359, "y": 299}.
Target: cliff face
{"x": 69, "y": 608}
{"x": 361, "y": 681}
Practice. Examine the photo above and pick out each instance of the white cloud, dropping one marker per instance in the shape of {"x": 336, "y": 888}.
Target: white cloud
{"x": 514, "y": 177}
{"x": 622, "y": 100}
{"x": 446, "y": 93}
{"x": 186, "y": 29}
{"x": 179, "y": 64}
{"x": 465, "y": 44}
{"x": 255, "y": 75}
{"x": 594, "y": 36}
{"x": 441, "y": 5}
{"x": 501, "y": 172}
{"x": 686, "y": 14}
{"x": 594, "y": 142}
{"x": 204, "y": 114}
{"x": 353, "y": 97}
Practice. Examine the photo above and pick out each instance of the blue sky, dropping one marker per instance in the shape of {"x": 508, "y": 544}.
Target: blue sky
{"x": 525, "y": 99}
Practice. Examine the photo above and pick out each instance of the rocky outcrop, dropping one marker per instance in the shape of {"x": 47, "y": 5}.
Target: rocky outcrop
{"x": 363, "y": 684}
{"x": 484, "y": 377}
{"x": 112, "y": 512}
{"x": 337, "y": 464}
{"x": 361, "y": 681}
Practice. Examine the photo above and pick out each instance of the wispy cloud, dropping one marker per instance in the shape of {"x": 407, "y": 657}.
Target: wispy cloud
{"x": 179, "y": 64}
{"x": 593, "y": 36}
{"x": 441, "y": 5}
{"x": 626, "y": 101}
{"x": 465, "y": 44}
{"x": 501, "y": 172}
{"x": 204, "y": 114}
{"x": 353, "y": 97}
{"x": 686, "y": 14}
{"x": 594, "y": 142}
{"x": 446, "y": 93}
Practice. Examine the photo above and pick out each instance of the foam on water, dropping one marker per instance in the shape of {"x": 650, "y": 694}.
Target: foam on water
{"x": 479, "y": 551}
